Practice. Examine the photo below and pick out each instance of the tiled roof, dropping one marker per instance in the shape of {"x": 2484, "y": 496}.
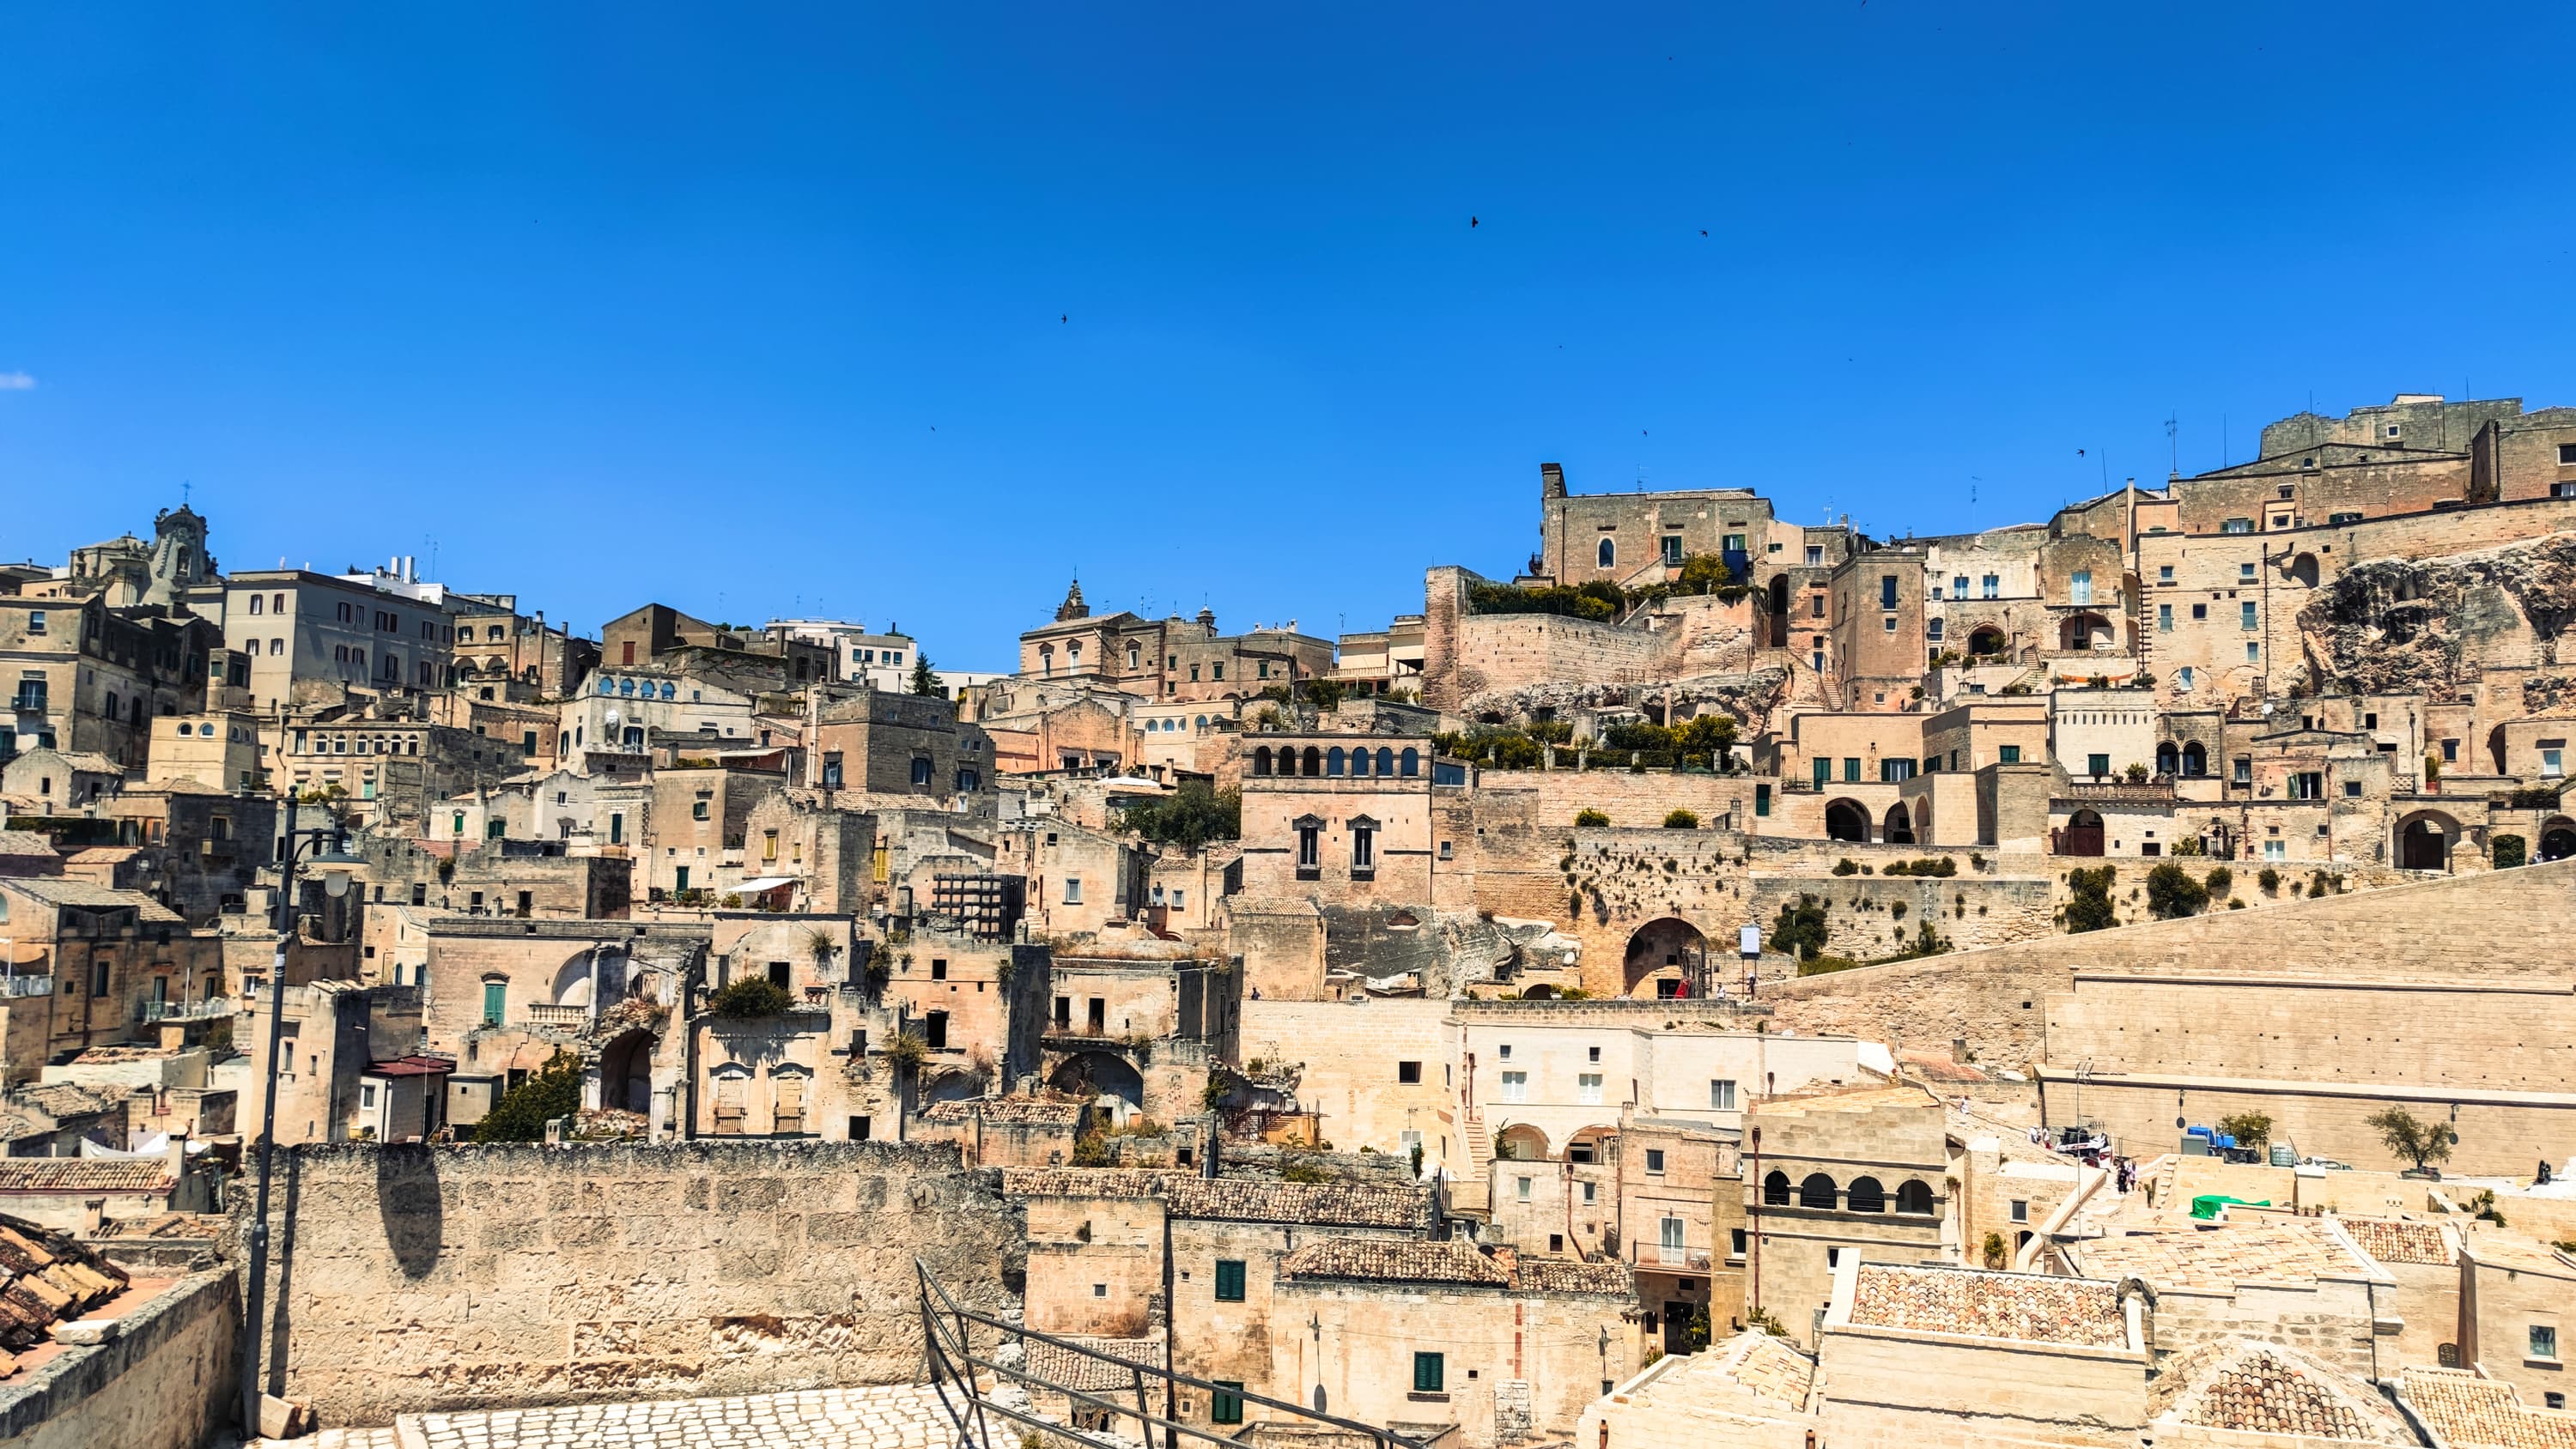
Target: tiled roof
{"x": 1338, "y": 1204}
{"x": 1080, "y": 1182}
{"x": 1390, "y": 1260}
{"x": 2499, "y": 1250}
{"x": 163, "y": 1225}
{"x": 46, "y": 1278}
{"x": 1069, "y": 1370}
{"x": 62, "y": 1099}
{"x": 1767, "y": 1366}
{"x": 2026, "y": 1307}
{"x": 2396, "y": 1240}
{"x": 2261, "y": 1388}
{"x": 1016, "y": 1111}
{"x": 1572, "y": 1275}
{"x": 2472, "y": 1412}
{"x": 84, "y": 1174}
{"x": 25, "y": 842}
{"x": 65, "y": 891}
{"x": 2220, "y": 1258}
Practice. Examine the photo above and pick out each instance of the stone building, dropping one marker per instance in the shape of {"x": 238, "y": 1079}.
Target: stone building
{"x": 1834, "y": 1178}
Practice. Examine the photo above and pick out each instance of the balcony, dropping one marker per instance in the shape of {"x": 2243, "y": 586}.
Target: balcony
{"x": 559, "y": 1018}
{"x": 26, "y": 986}
{"x": 209, "y": 1009}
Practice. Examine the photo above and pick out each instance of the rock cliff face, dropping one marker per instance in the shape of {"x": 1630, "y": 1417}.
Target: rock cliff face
{"x": 1750, "y": 697}
{"x": 2431, "y": 624}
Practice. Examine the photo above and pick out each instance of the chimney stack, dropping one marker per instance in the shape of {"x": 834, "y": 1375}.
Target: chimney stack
{"x": 1551, "y": 480}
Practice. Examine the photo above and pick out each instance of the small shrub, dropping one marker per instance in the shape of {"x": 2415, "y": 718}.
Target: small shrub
{"x": 907, "y": 1050}
{"x": 1825, "y": 965}
{"x": 2137, "y": 774}
{"x": 2509, "y": 851}
{"x": 1590, "y": 819}
{"x": 1800, "y": 929}
{"x": 749, "y": 998}
{"x": 523, "y": 1111}
{"x": 1845, "y": 867}
{"x": 2172, "y": 893}
{"x": 2088, "y": 907}
{"x": 2269, "y": 880}
{"x": 1682, "y": 820}
{"x": 2220, "y": 881}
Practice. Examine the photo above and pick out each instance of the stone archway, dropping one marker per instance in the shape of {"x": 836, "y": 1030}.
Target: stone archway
{"x": 2558, "y": 838}
{"x": 1847, "y": 820}
{"x": 1900, "y": 826}
{"x": 1985, "y": 642}
{"x": 626, "y": 1072}
{"x": 1521, "y": 1142}
{"x": 1094, "y": 1076}
{"x": 2425, "y": 839}
{"x": 1662, "y": 958}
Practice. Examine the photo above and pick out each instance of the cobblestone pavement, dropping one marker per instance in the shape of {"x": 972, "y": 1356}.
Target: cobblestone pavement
{"x": 902, "y": 1416}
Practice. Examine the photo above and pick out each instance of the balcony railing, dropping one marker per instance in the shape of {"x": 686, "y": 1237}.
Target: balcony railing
{"x": 26, "y": 986}
{"x": 208, "y": 1009}
{"x": 559, "y": 1017}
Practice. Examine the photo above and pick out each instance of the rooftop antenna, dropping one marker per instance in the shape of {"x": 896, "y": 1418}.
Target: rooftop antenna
{"x": 184, "y": 485}
{"x": 2172, "y": 448}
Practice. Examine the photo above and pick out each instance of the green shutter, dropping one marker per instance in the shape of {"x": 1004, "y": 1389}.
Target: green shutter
{"x": 1430, "y": 1373}
{"x": 496, "y": 997}
{"x": 1225, "y": 1407}
{"x": 1229, "y": 1281}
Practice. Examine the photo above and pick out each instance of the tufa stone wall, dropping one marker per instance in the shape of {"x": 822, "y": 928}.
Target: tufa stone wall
{"x": 407, "y": 1279}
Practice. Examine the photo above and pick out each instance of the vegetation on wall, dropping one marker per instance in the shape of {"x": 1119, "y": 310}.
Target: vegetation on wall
{"x": 1800, "y": 929}
{"x": 1188, "y": 818}
{"x": 2172, "y": 893}
{"x": 750, "y": 998}
{"x": 2088, "y": 906}
{"x": 523, "y": 1111}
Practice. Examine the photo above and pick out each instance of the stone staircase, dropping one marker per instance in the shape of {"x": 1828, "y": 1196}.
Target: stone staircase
{"x": 1480, "y": 1157}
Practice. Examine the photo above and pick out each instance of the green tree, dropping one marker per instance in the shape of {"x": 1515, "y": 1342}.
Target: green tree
{"x": 2250, "y": 1129}
{"x": 1706, "y": 734}
{"x": 1189, "y": 817}
{"x": 523, "y": 1111}
{"x": 2171, "y": 892}
{"x": 1800, "y": 929}
{"x": 750, "y": 998}
{"x": 2088, "y": 902}
{"x": 2509, "y": 851}
{"x": 2406, "y": 1135}
{"x": 923, "y": 681}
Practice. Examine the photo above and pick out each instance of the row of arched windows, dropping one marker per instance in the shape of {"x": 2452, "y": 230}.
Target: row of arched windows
{"x": 1865, "y": 1195}
{"x": 2191, "y": 759}
{"x": 1336, "y": 761}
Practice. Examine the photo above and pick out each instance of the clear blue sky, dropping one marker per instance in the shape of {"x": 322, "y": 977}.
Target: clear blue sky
{"x": 729, "y": 305}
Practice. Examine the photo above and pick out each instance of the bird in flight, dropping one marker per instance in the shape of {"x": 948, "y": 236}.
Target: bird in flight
{"x": 1471, "y": 223}
{"x": 1065, "y": 318}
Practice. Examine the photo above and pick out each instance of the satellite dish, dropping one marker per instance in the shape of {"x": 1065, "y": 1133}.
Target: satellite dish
{"x": 612, "y": 716}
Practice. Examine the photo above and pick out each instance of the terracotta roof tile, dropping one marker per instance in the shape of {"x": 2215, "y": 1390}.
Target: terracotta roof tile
{"x": 2473, "y": 1412}
{"x": 1080, "y": 1182}
{"x": 2027, "y": 1307}
{"x": 1338, "y": 1204}
{"x": 2262, "y": 1388}
{"x": 2398, "y": 1240}
{"x": 1769, "y": 1367}
{"x": 1014, "y": 1111}
{"x": 1395, "y": 1260}
{"x": 1084, "y": 1374}
{"x": 1571, "y": 1275}
{"x": 46, "y": 1278}
{"x": 84, "y": 1174}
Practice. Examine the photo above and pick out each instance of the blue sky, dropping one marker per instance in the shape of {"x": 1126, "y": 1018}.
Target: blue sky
{"x": 907, "y": 314}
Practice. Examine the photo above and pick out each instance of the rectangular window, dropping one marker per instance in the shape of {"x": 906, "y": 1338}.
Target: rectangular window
{"x": 1591, "y": 1190}
{"x": 1761, "y": 800}
{"x": 2237, "y": 525}
{"x": 1520, "y": 1189}
{"x": 1887, "y": 591}
{"x": 1959, "y": 586}
{"x": 2021, "y": 1206}
{"x": 1993, "y": 586}
{"x": 2164, "y": 573}
{"x": 2275, "y": 850}
{"x": 1673, "y": 548}
{"x": 1892, "y": 771}
{"x": 2450, "y": 752}
{"x": 35, "y": 621}
{"x": 1229, "y": 1280}
{"x": 2097, "y": 765}
{"x": 1309, "y": 847}
{"x": 1721, "y": 1095}
{"x": 1668, "y": 1235}
{"x": 2009, "y": 754}
{"x": 2544, "y": 1341}
{"x": 1851, "y": 769}
{"x": 1430, "y": 1373}
{"x": 496, "y": 996}
{"x": 2199, "y": 611}
{"x": 1654, "y": 1161}
{"x": 1225, "y": 1406}
{"x": 1824, "y": 772}
{"x": 2164, "y": 618}
{"x": 2245, "y": 613}
{"x": 1587, "y": 1088}
{"x": 2079, "y": 586}
{"x": 1515, "y": 1086}
{"x": 1363, "y": 848}
{"x": 1408, "y": 1071}
{"x": 1073, "y": 890}
{"x": 2552, "y": 764}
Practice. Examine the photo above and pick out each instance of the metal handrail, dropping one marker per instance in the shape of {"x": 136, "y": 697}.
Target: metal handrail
{"x": 937, "y": 1339}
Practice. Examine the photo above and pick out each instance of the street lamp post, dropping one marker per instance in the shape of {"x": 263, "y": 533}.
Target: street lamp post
{"x": 334, "y": 864}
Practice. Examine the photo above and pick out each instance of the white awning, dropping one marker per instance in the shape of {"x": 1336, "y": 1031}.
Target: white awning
{"x": 767, "y": 883}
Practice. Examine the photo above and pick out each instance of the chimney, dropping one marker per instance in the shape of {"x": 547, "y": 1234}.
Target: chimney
{"x": 1551, "y": 480}
{"x": 93, "y": 1216}
{"x": 178, "y": 1160}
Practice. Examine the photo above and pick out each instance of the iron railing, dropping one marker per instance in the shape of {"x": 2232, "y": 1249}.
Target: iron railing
{"x": 947, "y": 1339}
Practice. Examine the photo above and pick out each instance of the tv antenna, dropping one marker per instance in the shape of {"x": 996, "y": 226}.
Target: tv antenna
{"x": 2172, "y": 449}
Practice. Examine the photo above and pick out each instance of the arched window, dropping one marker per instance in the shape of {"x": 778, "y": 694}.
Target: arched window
{"x": 1409, "y": 764}
{"x": 2168, "y": 759}
{"x": 2195, "y": 759}
{"x": 1333, "y": 761}
{"x": 1867, "y": 1196}
{"x": 1261, "y": 760}
{"x": 1198, "y": 725}
{"x": 626, "y": 686}
{"x": 608, "y": 686}
{"x": 1912, "y": 1196}
{"x": 1932, "y": 627}
{"x": 1775, "y": 1190}
{"x": 1359, "y": 762}
{"x": 1386, "y": 762}
{"x": 1609, "y": 554}
{"x": 1816, "y": 1192}
{"x": 1314, "y": 761}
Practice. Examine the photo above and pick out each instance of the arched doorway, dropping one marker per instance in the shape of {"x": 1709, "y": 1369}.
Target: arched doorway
{"x": 626, "y": 1073}
{"x": 1779, "y": 611}
{"x": 1900, "y": 826}
{"x": 1846, "y": 820}
{"x": 1521, "y": 1142}
{"x": 2303, "y": 570}
{"x": 953, "y": 1085}
{"x": 2084, "y": 634}
{"x": 1986, "y": 642}
{"x": 2424, "y": 841}
{"x": 1100, "y": 1077}
{"x": 1664, "y": 955}
{"x": 2081, "y": 835}
{"x": 2558, "y": 839}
